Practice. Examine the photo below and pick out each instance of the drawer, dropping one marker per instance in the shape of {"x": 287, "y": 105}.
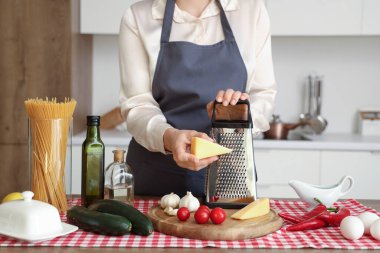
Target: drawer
{"x": 278, "y": 167}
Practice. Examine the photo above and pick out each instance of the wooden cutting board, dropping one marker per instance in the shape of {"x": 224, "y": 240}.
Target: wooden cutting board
{"x": 230, "y": 229}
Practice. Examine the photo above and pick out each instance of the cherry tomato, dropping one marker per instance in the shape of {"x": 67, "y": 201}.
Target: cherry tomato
{"x": 204, "y": 207}
{"x": 214, "y": 198}
{"x": 217, "y": 215}
{"x": 201, "y": 216}
{"x": 183, "y": 213}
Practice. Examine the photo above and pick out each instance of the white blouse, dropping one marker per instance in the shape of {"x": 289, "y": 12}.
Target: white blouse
{"x": 139, "y": 44}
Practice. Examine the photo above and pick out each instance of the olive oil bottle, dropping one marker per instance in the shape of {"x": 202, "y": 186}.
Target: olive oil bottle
{"x": 92, "y": 163}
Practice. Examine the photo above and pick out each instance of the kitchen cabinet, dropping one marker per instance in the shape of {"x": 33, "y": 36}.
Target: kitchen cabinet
{"x": 364, "y": 167}
{"x": 322, "y": 160}
{"x": 288, "y": 17}
{"x": 275, "y": 168}
{"x": 315, "y": 17}
{"x": 371, "y": 17}
{"x": 102, "y": 16}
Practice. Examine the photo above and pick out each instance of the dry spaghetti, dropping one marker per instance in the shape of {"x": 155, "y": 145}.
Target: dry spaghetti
{"x": 49, "y": 125}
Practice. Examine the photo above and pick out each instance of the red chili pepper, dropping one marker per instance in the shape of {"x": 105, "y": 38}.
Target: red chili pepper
{"x": 313, "y": 223}
{"x": 290, "y": 218}
{"x": 334, "y": 219}
{"x": 316, "y": 211}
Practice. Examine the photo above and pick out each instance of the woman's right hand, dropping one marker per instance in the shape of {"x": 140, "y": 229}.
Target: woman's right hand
{"x": 179, "y": 141}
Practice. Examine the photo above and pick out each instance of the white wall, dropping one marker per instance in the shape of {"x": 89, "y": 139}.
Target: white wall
{"x": 105, "y": 75}
{"x": 350, "y": 66}
{"x": 351, "y": 69}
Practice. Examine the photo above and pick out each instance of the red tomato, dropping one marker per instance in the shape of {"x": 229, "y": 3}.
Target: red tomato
{"x": 217, "y": 215}
{"x": 201, "y": 216}
{"x": 204, "y": 207}
{"x": 183, "y": 214}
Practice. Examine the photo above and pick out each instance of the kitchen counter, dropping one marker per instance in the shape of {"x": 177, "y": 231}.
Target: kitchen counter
{"x": 333, "y": 141}
{"x": 337, "y": 141}
{"x": 370, "y": 203}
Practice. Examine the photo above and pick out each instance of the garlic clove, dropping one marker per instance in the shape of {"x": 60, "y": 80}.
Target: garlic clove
{"x": 170, "y": 211}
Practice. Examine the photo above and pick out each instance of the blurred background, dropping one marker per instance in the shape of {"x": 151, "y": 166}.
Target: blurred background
{"x": 68, "y": 48}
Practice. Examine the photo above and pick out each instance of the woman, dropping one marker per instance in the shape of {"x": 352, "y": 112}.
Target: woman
{"x": 175, "y": 57}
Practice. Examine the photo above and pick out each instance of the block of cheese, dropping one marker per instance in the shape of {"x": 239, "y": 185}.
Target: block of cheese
{"x": 257, "y": 208}
{"x": 202, "y": 148}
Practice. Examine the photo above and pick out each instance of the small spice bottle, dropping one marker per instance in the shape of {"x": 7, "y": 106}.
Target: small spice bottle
{"x": 118, "y": 179}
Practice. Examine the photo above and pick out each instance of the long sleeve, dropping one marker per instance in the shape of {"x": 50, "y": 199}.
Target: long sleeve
{"x": 262, "y": 89}
{"x": 139, "y": 47}
{"x": 145, "y": 120}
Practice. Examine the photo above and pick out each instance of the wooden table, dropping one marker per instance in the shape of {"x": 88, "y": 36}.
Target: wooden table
{"x": 375, "y": 204}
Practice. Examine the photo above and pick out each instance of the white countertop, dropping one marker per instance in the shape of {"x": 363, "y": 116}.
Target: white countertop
{"x": 328, "y": 141}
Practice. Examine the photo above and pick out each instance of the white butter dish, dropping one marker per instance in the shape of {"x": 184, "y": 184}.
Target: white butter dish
{"x": 32, "y": 220}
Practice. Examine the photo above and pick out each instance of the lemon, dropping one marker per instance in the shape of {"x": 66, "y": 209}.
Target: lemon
{"x": 12, "y": 196}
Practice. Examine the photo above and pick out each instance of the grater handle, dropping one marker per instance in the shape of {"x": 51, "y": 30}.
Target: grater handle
{"x": 248, "y": 118}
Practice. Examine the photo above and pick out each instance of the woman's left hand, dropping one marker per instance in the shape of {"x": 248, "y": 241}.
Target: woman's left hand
{"x": 227, "y": 97}
{"x": 230, "y": 97}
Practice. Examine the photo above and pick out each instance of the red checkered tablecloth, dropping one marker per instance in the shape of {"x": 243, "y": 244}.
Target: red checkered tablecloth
{"x": 329, "y": 237}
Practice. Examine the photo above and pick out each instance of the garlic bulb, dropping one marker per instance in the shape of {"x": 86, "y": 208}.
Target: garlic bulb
{"x": 171, "y": 200}
{"x": 189, "y": 201}
{"x": 170, "y": 211}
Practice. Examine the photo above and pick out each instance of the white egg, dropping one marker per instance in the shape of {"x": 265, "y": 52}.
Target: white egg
{"x": 367, "y": 218}
{"x": 352, "y": 228}
{"x": 375, "y": 229}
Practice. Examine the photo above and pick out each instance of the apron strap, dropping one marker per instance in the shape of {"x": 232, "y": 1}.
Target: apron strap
{"x": 228, "y": 34}
{"x": 168, "y": 21}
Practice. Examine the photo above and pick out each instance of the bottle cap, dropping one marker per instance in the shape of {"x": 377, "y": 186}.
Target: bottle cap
{"x": 93, "y": 120}
{"x": 118, "y": 155}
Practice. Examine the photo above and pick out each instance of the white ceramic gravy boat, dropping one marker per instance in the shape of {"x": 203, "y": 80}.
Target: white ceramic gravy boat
{"x": 328, "y": 195}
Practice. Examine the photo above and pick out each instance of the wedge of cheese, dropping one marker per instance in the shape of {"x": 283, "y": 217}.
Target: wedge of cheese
{"x": 202, "y": 148}
{"x": 257, "y": 208}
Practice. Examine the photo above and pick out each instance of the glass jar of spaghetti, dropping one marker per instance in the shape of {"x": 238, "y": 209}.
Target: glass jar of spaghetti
{"x": 50, "y": 150}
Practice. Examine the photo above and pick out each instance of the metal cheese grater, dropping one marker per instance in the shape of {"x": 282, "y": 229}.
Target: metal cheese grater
{"x": 231, "y": 181}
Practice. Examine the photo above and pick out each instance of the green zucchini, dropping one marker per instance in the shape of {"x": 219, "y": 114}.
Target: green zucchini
{"x": 141, "y": 225}
{"x": 97, "y": 222}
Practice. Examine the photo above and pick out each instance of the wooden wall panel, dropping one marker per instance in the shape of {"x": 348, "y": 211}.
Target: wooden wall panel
{"x": 14, "y": 168}
{"x": 35, "y": 61}
{"x": 13, "y": 124}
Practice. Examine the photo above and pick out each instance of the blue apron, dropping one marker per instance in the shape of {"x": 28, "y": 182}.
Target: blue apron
{"x": 187, "y": 77}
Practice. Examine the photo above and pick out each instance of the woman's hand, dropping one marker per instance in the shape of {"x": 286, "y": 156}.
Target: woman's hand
{"x": 178, "y": 142}
{"x": 228, "y": 97}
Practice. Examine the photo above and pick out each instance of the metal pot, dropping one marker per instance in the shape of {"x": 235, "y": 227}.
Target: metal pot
{"x": 279, "y": 130}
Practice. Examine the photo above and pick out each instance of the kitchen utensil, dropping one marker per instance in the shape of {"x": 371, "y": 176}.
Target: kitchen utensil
{"x": 318, "y": 97}
{"x": 279, "y": 130}
{"x": 317, "y": 123}
{"x": 310, "y": 101}
{"x": 231, "y": 181}
{"x": 328, "y": 195}
{"x": 32, "y": 220}
{"x": 313, "y": 117}
{"x": 230, "y": 229}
